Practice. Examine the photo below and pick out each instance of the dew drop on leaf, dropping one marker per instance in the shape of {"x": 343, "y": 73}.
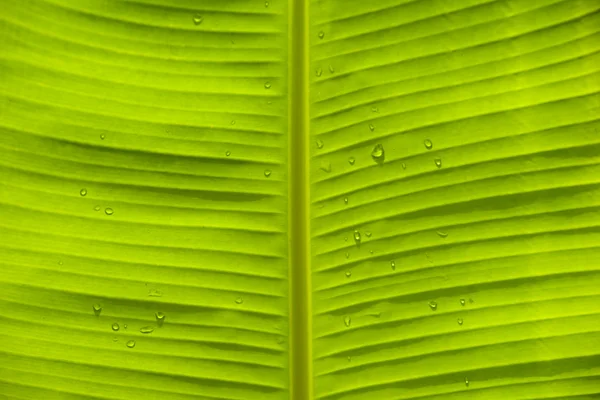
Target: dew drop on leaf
{"x": 378, "y": 154}
{"x": 131, "y": 344}
{"x": 109, "y": 211}
{"x": 267, "y": 173}
{"x": 438, "y": 162}
{"x": 428, "y": 144}
{"x": 97, "y": 208}
{"x": 227, "y": 153}
{"x": 147, "y": 329}
{"x": 320, "y": 144}
{"x": 371, "y": 127}
{"x": 348, "y": 274}
{"x": 403, "y": 166}
{"x": 160, "y": 318}
{"x": 239, "y": 300}
{"x": 154, "y": 293}
{"x": 466, "y": 382}
{"x": 97, "y": 309}
{"x": 325, "y": 166}
{"x": 233, "y": 122}
{"x": 102, "y": 137}
{"x": 393, "y": 264}
{"x": 460, "y": 321}
{"x": 347, "y": 320}
{"x": 115, "y": 327}
{"x": 267, "y": 85}
{"x": 357, "y": 237}
{"x": 319, "y": 71}
{"x": 368, "y": 234}
{"x": 266, "y": 4}
{"x": 351, "y": 160}
{"x": 462, "y": 302}
{"x": 83, "y": 192}
{"x": 331, "y": 69}
{"x": 198, "y": 19}
{"x": 442, "y": 234}
{"x": 321, "y": 35}
{"x": 375, "y": 109}
{"x": 433, "y": 305}
{"x": 345, "y": 200}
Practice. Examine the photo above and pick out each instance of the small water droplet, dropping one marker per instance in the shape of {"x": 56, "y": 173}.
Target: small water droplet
{"x": 462, "y": 302}
{"x": 131, "y": 344}
{"x": 371, "y": 251}
{"x": 348, "y": 274}
{"x": 267, "y": 85}
{"x": 83, "y": 192}
{"x": 115, "y": 327}
{"x": 357, "y": 237}
{"x": 347, "y": 320}
{"x": 403, "y": 166}
{"x": 198, "y": 19}
{"x": 345, "y": 200}
{"x": 375, "y": 109}
{"x": 267, "y": 173}
{"x": 345, "y": 239}
{"x": 115, "y": 339}
{"x": 60, "y": 263}
{"x": 466, "y": 382}
{"x": 239, "y": 300}
{"x": 125, "y": 326}
{"x": 371, "y": 127}
{"x": 321, "y": 35}
{"x": 97, "y": 309}
{"x": 428, "y": 144}
{"x": 368, "y": 234}
{"x": 460, "y": 321}
{"x": 227, "y": 153}
{"x": 320, "y": 144}
{"x": 97, "y": 208}
{"x": 433, "y": 305}
{"x": 438, "y": 162}
{"x": 393, "y": 264}
{"x": 331, "y": 69}
{"x": 102, "y": 137}
{"x": 442, "y": 234}
{"x": 233, "y": 122}
{"x": 378, "y": 154}
{"x": 160, "y": 318}
{"x": 349, "y": 358}
{"x": 351, "y": 160}
{"x": 347, "y": 255}
{"x": 147, "y": 329}
{"x": 319, "y": 71}
{"x": 266, "y": 4}
{"x": 325, "y": 166}
{"x": 109, "y": 211}
{"x": 154, "y": 293}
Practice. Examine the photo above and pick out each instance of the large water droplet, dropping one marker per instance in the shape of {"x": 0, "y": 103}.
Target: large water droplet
{"x": 109, "y": 211}
{"x": 115, "y": 327}
{"x": 357, "y": 237}
{"x": 460, "y": 321}
{"x": 319, "y": 71}
{"x": 433, "y": 305}
{"x": 428, "y": 144}
{"x": 348, "y": 274}
{"x": 378, "y": 154}
{"x": 393, "y": 264}
{"x": 351, "y": 160}
{"x": 442, "y": 234}
{"x": 267, "y": 85}
{"x": 97, "y": 309}
{"x": 347, "y": 320}
{"x": 319, "y": 144}
{"x": 198, "y": 19}
{"x": 325, "y": 166}
{"x": 131, "y": 344}
{"x": 239, "y": 300}
{"x": 321, "y": 35}
{"x": 438, "y": 162}
{"x": 267, "y": 173}
{"x": 147, "y": 329}
{"x": 371, "y": 127}
{"x": 160, "y": 318}
{"x": 83, "y": 192}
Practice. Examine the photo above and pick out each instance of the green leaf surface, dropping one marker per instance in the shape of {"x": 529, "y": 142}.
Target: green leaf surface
{"x": 300, "y": 199}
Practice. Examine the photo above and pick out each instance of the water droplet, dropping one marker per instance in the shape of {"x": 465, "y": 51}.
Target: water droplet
{"x": 97, "y": 208}
{"x": 325, "y": 166}
{"x": 351, "y": 160}
{"x": 125, "y": 326}
{"x": 428, "y": 144}
{"x": 227, "y": 153}
{"x": 233, "y": 122}
{"x": 131, "y": 344}
{"x": 393, "y": 263}
{"x": 154, "y": 293}
{"x": 147, "y": 329}
{"x": 198, "y": 19}
{"x": 320, "y": 144}
{"x": 375, "y": 109}
{"x": 83, "y": 192}
{"x": 160, "y": 318}
{"x": 438, "y": 162}
{"x": 442, "y": 234}
{"x": 239, "y": 300}
{"x": 357, "y": 237}
{"x": 433, "y": 305}
{"x": 462, "y": 302}
{"x": 345, "y": 239}
{"x": 371, "y": 127}
{"x": 115, "y": 327}
{"x": 349, "y": 358}
{"x": 60, "y": 263}
{"x": 466, "y": 382}
{"x": 319, "y": 71}
{"x": 347, "y": 320}
{"x": 266, "y": 4}
{"x": 403, "y": 166}
{"x": 102, "y": 137}
{"x": 348, "y": 274}
{"x": 460, "y": 321}
{"x": 368, "y": 234}
{"x": 331, "y": 69}
{"x": 321, "y": 35}
{"x": 267, "y": 173}
{"x": 346, "y": 200}
{"x": 109, "y": 211}
{"x": 378, "y": 154}
{"x": 347, "y": 255}
{"x": 115, "y": 339}
{"x": 371, "y": 251}
{"x": 97, "y": 309}
{"x": 267, "y": 85}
